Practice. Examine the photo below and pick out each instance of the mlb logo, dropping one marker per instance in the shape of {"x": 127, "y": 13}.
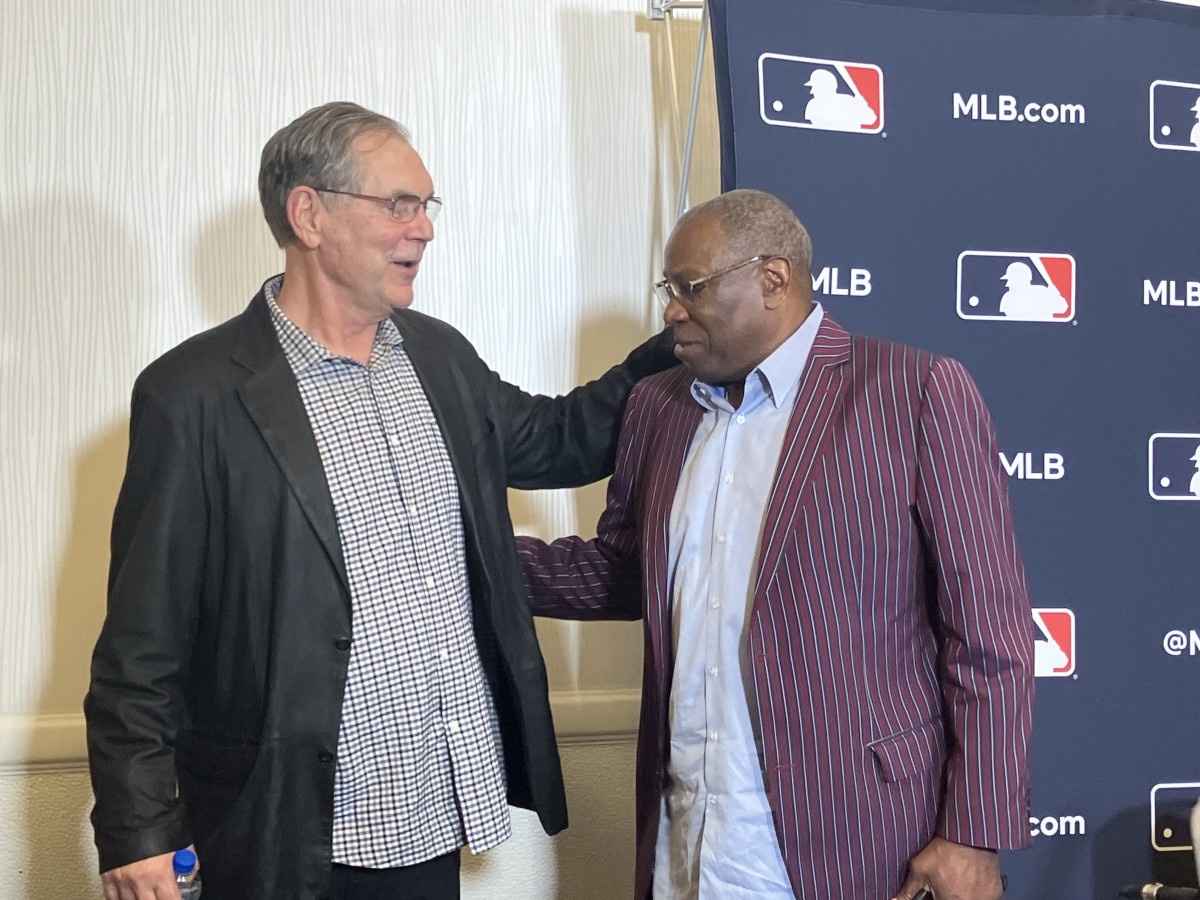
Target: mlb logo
{"x": 1175, "y": 115}
{"x": 1174, "y": 466}
{"x": 1053, "y": 643}
{"x": 1016, "y": 287}
{"x": 826, "y": 94}
{"x": 1170, "y": 815}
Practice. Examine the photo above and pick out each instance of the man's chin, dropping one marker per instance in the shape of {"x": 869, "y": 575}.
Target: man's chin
{"x": 701, "y": 369}
{"x": 401, "y": 300}
{"x": 692, "y": 357}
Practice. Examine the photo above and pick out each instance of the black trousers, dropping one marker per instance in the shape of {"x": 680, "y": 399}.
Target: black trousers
{"x": 436, "y": 879}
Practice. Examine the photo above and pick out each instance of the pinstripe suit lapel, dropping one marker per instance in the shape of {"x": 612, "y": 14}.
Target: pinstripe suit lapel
{"x": 677, "y": 420}
{"x": 818, "y": 399}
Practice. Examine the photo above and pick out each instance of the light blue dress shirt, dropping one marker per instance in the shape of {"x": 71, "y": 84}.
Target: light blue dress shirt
{"x": 716, "y": 840}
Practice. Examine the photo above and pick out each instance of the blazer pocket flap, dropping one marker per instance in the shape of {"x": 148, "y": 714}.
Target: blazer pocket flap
{"x": 908, "y": 753}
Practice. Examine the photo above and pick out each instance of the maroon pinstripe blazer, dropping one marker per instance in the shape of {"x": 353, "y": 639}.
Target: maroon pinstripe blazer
{"x": 890, "y": 639}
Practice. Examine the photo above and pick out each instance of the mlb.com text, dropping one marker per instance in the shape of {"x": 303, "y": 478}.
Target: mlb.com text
{"x": 1057, "y": 826}
{"x": 1006, "y": 108}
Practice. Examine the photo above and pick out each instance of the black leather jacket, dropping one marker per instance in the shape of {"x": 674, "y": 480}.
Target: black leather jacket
{"x": 221, "y": 665}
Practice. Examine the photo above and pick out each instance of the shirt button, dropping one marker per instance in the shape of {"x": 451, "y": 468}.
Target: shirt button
{"x": 325, "y": 756}
{"x": 342, "y": 644}
{"x": 445, "y": 654}
{"x": 720, "y": 538}
{"x": 712, "y": 670}
{"x": 453, "y": 726}
{"x": 395, "y": 441}
{"x": 741, "y": 420}
{"x": 712, "y": 801}
{"x": 729, "y": 478}
{"x": 429, "y": 582}
{"x": 716, "y": 604}
{"x": 712, "y": 735}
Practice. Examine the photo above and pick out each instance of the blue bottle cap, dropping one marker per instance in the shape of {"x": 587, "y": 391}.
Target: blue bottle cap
{"x": 184, "y": 862}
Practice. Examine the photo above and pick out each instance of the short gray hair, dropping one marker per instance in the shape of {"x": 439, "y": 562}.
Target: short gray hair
{"x": 317, "y": 150}
{"x": 754, "y": 223}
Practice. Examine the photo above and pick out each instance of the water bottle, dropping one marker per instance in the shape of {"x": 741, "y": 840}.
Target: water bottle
{"x": 184, "y": 864}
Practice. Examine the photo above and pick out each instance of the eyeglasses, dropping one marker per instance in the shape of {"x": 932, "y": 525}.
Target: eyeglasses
{"x": 686, "y": 293}
{"x": 403, "y": 207}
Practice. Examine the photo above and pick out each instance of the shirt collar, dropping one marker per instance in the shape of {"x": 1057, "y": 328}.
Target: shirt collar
{"x": 302, "y": 350}
{"x": 780, "y": 372}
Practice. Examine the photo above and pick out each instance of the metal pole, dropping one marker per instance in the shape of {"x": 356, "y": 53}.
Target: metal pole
{"x": 702, "y": 43}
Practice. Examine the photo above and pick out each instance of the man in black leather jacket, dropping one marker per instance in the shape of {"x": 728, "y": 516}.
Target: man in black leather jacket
{"x": 318, "y": 666}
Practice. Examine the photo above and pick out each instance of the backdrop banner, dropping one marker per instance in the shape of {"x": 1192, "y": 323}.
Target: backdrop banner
{"x": 1017, "y": 185}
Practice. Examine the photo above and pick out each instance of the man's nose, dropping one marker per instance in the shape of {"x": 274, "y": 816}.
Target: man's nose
{"x": 674, "y": 314}
{"x": 421, "y": 227}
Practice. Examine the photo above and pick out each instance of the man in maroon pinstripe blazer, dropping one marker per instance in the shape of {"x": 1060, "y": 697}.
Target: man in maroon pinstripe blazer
{"x": 815, "y": 528}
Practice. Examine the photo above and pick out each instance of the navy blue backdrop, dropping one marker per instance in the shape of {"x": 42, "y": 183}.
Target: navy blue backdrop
{"x": 1017, "y": 185}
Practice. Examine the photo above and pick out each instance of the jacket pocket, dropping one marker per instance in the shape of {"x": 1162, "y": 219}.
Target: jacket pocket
{"x": 909, "y": 753}
{"x": 215, "y": 759}
{"x": 212, "y": 773}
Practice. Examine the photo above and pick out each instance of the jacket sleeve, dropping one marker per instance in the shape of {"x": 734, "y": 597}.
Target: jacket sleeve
{"x": 573, "y": 578}
{"x": 985, "y": 619}
{"x": 134, "y": 704}
{"x": 557, "y": 442}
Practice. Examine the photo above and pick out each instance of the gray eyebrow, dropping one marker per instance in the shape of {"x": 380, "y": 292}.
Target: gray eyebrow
{"x": 401, "y": 192}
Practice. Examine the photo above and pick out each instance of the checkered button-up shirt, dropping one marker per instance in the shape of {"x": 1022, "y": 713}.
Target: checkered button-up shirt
{"x": 419, "y": 767}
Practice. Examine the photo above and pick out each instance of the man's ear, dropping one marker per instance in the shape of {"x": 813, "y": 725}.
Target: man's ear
{"x": 305, "y": 213}
{"x": 776, "y": 278}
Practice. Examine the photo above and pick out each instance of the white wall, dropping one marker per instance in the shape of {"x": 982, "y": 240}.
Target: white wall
{"x": 129, "y": 220}
{"x": 46, "y": 850}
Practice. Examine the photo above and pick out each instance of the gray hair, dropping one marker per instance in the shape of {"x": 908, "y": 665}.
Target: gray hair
{"x": 316, "y": 150}
{"x": 754, "y": 223}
